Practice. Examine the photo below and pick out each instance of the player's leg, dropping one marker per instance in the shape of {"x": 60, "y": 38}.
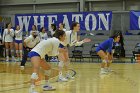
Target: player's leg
{"x": 7, "y": 51}
{"x": 62, "y": 59}
{"x": 104, "y": 59}
{"x": 67, "y": 65}
{"x": 109, "y": 63}
{"x": 24, "y": 58}
{"x": 20, "y": 50}
{"x": 47, "y": 72}
{"x": 35, "y": 60}
{"x": 12, "y": 51}
{"x": 17, "y": 50}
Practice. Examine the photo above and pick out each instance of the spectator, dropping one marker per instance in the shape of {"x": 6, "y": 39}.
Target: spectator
{"x": 18, "y": 42}
{"x": 8, "y": 35}
{"x": 43, "y": 34}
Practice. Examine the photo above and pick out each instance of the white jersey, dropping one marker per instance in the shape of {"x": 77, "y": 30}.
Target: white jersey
{"x": 72, "y": 39}
{"x": 8, "y": 36}
{"x": 49, "y": 47}
{"x": 43, "y": 36}
{"x": 52, "y": 32}
{"x": 64, "y": 29}
{"x": 18, "y": 34}
{"x": 31, "y": 42}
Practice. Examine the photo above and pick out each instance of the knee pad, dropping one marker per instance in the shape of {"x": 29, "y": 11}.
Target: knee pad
{"x": 61, "y": 64}
{"x": 20, "y": 51}
{"x": 47, "y": 72}
{"x": 17, "y": 51}
{"x": 34, "y": 76}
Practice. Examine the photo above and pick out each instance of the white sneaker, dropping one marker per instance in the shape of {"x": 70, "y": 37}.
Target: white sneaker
{"x": 13, "y": 59}
{"x": 103, "y": 72}
{"x": 22, "y": 67}
{"x": 48, "y": 88}
{"x": 62, "y": 79}
{"x": 68, "y": 76}
{"x": 109, "y": 70}
{"x": 31, "y": 90}
{"x": 52, "y": 60}
{"x": 7, "y": 59}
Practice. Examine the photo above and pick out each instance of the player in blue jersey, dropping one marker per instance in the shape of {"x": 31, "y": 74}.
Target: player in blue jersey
{"x": 104, "y": 50}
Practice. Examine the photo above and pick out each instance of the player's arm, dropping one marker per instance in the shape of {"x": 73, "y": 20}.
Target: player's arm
{"x": 27, "y": 40}
{"x": 12, "y": 33}
{"x": 78, "y": 43}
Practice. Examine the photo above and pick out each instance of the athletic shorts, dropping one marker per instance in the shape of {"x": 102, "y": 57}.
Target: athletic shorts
{"x": 98, "y": 49}
{"x": 18, "y": 41}
{"x": 61, "y": 46}
{"x": 32, "y": 54}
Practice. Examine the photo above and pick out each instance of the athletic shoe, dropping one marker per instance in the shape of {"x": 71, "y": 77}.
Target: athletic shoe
{"x": 7, "y": 59}
{"x": 103, "y": 72}
{"x": 109, "y": 70}
{"x": 68, "y": 76}
{"x": 22, "y": 67}
{"x": 13, "y": 59}
{"x": 48, "y": 88}
{"x": 31, "y": 90}
{"x": 62, "y": 79}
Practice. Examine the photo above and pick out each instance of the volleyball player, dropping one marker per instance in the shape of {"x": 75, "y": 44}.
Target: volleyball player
{"x": 46, "y": 47}
{"x": 43, "y": 34}
{"x": 8, "y": 35}
{"x": 104, "y": 50}
{"x": 71, "y": 40}
{"x": 18, "y": 42}
{"x": 62, "y": 26}
{"x": 29, "y": 43}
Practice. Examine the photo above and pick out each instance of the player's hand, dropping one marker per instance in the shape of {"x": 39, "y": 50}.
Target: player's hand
{"x": 87, "y": 40}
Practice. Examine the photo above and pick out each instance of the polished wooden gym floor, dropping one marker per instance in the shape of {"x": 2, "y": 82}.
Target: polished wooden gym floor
{"x": 124, "y": 79}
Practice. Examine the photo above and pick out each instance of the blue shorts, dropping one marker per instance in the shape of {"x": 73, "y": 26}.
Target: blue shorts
{"x": 61, "y": 46}
{"x": 98, "y": 49}
{"x": 18, "y": 41}
{"x": 32, "y": 54}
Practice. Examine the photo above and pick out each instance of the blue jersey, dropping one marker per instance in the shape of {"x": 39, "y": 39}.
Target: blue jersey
{"x": 106, "y": 45}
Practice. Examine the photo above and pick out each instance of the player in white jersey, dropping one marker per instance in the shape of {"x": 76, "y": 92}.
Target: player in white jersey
{"x": 29, "y": 43}
{"x": 53, "y": 29}
{"x": 43, "y": 34}
{"x": 37, "y": 54}
{"x": 8, "y": 35}
{"x": 34, "y": 28}
{"x": 62, "y": 26}
{"x": 18, "y": 42}
{"x": 71, "y": 40}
